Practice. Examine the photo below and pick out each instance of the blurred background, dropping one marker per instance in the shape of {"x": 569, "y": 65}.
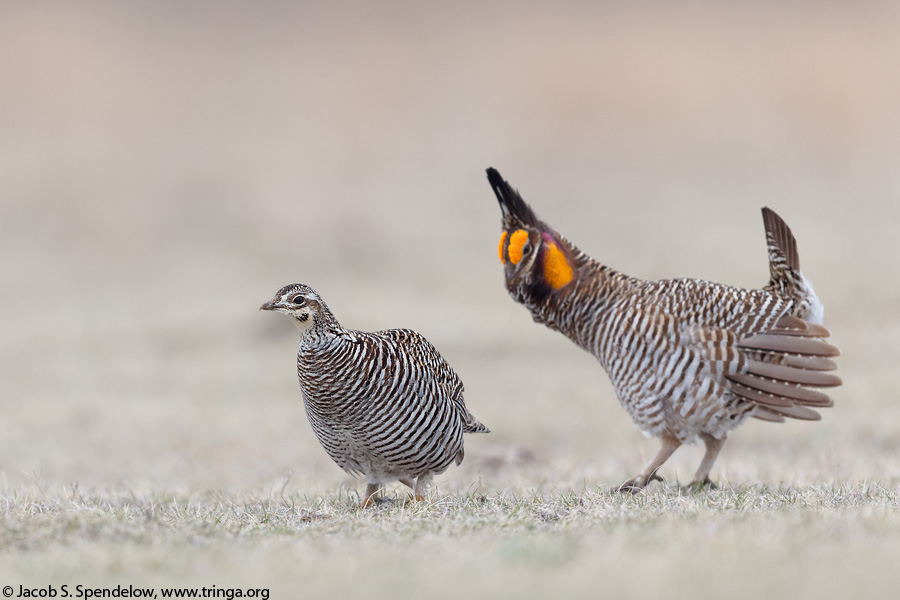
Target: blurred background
{"x": 165, "y": 168}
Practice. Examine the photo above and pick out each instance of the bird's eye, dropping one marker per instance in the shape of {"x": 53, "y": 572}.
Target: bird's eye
{"x": 526, "y": 248}
{"x": 298, "y": 300}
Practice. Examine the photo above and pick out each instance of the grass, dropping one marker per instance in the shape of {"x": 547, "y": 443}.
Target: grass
{"x": 737, "y": 541}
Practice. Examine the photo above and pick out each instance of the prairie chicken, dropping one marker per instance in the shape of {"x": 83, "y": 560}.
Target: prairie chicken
{"x": 385, "y": 404}
{"x": 689, "y": 360}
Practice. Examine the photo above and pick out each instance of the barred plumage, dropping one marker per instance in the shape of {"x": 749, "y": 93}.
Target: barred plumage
{"x": 689, "y": 359}
{"x": 385, "y": 404}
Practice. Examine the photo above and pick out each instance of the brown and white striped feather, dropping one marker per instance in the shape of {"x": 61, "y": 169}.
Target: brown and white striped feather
{"x": 386, "y": 405}
{"x": 689, "y": 356}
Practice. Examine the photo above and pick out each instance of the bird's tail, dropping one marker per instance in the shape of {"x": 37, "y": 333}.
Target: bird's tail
{"x": 471, "y": 424}
{"x": 784, "y": 261}
{"x": 784, "y": 269}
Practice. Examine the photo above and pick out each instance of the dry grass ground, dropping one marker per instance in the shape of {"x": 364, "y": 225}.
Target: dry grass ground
{"x": 800, "y": 542}
{"x": 163, "y": 170}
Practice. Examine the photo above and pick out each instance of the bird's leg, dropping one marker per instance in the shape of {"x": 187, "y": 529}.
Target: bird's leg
{"x": 372, "y": 490}
{"x": 669, "y": 445}
{"x": 422, "y": 484}
{"x": 713, "y": 446}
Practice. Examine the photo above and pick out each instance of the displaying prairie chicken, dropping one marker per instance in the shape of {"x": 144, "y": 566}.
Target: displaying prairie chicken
{"x": 689, "y": 360}
{"x": 385, "y": 404}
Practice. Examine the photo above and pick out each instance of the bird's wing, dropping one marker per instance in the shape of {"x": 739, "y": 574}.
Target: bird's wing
{"x": 420, "y": 350}
{"x": 775, "y": 369}
{"x": 782, "y": 364}
{"x": 773, "y": 356}
{"x": 692, "y": 364}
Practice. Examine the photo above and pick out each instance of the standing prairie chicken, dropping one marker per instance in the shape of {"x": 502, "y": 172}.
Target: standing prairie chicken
{"x": 689, "y": 360}
{"x": 384, "y": 404}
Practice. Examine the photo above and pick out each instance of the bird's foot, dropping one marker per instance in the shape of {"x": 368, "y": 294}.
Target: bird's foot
{"x": 701, "y": 484}
{"x": 373, "y": 495}
{"x": 413, "y": 499}
{"x": 636, "y": 484}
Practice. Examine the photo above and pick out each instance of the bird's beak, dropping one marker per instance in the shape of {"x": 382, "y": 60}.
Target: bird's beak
{"x": 270, "y": 305}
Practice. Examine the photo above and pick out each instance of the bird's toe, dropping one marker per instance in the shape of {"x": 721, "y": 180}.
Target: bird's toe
{"x": 632, "y": 486}
{"x": 701, "y": 484}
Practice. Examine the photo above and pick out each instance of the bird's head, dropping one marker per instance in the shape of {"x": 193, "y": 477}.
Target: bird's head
{"x": 302, "y": 304}
{"x": 538, "y": 261}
